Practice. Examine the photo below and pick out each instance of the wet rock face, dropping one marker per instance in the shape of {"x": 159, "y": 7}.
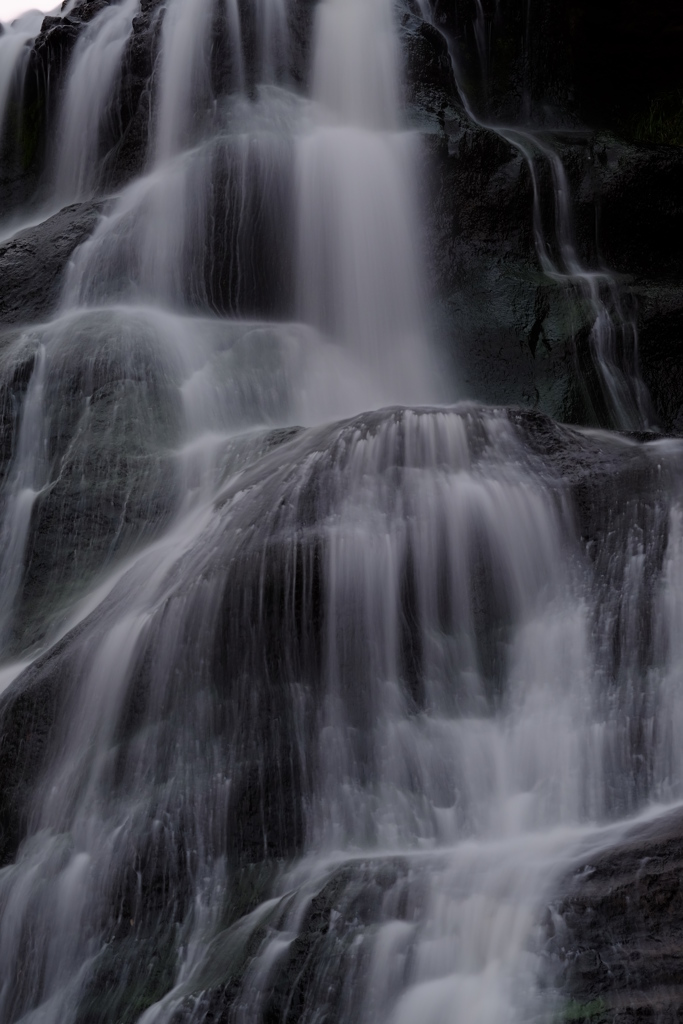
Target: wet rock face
{"x": 616, "y": 950}
{"x": 513, "y": 57}
{"x": 508, "y": 328}
{"x": 28, "y": 716}
{"x": 571, "y": 60}
{"x": 129, "y": 149}
{"x": 504, "y": 327}
{"x": 428, "y": 73}
{"x": 31, "y": 119}
{"x": 639, "y": 206}
{"x": 33, "y": 262}
{"x": 107, "y": 417}
{"x": 513, "y": 334}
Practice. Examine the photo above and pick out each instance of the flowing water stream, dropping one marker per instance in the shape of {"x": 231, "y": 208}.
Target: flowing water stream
{"x": 14, "y": 56}
{"x": 318, "y": 687}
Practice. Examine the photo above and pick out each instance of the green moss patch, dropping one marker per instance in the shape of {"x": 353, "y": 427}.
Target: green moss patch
{"x": 662, "y": 122}
{"x": 575, "y": 1010}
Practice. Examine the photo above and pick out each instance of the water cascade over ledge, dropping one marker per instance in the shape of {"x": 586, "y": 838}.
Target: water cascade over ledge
{"x": 313, "y": 686}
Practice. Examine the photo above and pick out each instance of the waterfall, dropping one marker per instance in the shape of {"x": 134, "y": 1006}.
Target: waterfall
{"x": 13, "y": 48}
{"x": 313, "y": 689}
{"x": 358, "y": 273}
{"x": 87, "y": 99}
{"x": 15, "y": 40}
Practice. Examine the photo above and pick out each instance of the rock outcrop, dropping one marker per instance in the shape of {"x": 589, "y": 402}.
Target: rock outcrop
{"x": 33, "y": 262}
{"x": 515, "y": 334}
{"x": 616, "y": 946}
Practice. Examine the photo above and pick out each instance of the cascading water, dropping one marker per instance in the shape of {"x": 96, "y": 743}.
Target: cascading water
{"x": 357, "y": 272}
{"x": 15, "y": 51}
{"x": 88, "y": 98}
{"x": 301, "y": 723}
{"x": 86, "y": 106}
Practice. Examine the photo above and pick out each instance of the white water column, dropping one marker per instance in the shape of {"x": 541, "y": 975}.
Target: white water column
{"x": 358, "y": 252}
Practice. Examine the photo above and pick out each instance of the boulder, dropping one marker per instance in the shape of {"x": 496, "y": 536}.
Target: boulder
{"x": 33, "y": 262}
{"x": 615, "y": 947}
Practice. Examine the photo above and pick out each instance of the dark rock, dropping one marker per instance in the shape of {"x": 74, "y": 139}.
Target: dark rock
{"x": 660, "y": 317}
{"x": 429, "y": 82}
{"x": 29, "y": 711}
{"x": 134, "y": 103}
{"x": 510, "y": 333}
{"x": 513, "y": 59}
{"x": 16, "y": 366}
{"x": 558, "y": 62}
{"x": 617, "y": 948}
{"x": 33, "y": 262}
{"x": 345, "y": 907}
{"x": 87, "y": 9}
{"x": 110, "y": 418}
{"x": 319, "y": 976}
{"x": 624, "y": 53}
{"x": 639, "y": 193}
{"x": 108, "y": 495}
